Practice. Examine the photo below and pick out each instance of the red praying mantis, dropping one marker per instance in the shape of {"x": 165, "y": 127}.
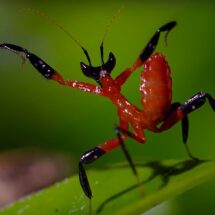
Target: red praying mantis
{"x": 158, "y": 113}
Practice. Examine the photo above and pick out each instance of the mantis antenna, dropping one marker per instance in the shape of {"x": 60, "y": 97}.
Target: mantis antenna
{"x": 107, "y": 28}
{"x": 52, "y": 21}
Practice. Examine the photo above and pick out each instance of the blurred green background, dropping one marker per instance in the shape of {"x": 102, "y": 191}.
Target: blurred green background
{"x": 38, "y": 113}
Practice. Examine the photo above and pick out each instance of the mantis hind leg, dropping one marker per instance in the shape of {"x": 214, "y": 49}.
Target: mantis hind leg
{"x": 180, "y": 112}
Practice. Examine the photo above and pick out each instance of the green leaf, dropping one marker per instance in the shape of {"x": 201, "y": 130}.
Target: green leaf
{"x": 116, "y": 191}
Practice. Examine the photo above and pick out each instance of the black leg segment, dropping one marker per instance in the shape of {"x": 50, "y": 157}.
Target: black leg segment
{"x": 185, "y": 129}
{"x": 151, "y": 45}
{"x": 184, "y": 121}
{"x": 42, "y": 67}
{"x": 95, "y": 153}
{"x": 125, "y": 151}
{"x": 190, "y": 105}
{"x": 84, "y": 181}
{"x": 196, "y": 102}
{"x": 86, "y": 158}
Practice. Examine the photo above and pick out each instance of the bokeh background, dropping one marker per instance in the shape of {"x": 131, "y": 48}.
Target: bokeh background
{"x": 39, "y": 114}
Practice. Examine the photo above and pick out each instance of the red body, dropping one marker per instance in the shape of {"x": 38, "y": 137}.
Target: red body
{"x": 156, "y": 89}
{"x": 156, "y": 94}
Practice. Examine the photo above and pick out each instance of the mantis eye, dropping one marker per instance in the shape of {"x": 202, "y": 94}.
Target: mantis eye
{"x": 91, "y": 72}
{"x": 95, "y": 72}
{"x": 110, "y": 64}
